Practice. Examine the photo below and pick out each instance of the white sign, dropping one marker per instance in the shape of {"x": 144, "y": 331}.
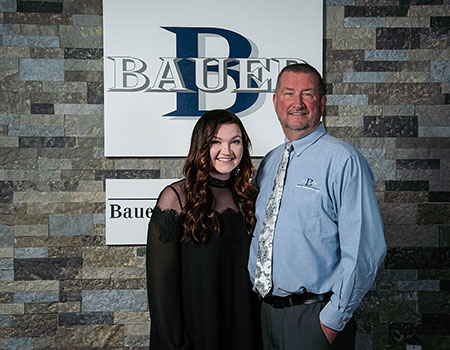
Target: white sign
{"x": 129, "y": 206}
{"x": 167, "y": 62}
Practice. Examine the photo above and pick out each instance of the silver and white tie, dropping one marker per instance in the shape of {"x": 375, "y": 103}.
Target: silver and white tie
{"x": 263, "y": 272}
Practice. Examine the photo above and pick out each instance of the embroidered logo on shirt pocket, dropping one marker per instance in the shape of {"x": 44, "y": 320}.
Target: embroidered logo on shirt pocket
{"x": 308, "y": 184}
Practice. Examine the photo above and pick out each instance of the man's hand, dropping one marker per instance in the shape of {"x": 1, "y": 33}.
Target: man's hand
{"x": 330, "y": 334}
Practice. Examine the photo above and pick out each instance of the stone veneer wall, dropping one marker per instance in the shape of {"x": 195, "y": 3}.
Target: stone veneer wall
{"x": 388, "y": 73}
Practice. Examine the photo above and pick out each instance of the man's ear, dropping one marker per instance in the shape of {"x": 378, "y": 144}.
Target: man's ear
{"x": 323, "y": 103}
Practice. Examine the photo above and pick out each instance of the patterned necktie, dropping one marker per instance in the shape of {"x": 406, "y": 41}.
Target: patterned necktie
{"x": 263, "y": 272}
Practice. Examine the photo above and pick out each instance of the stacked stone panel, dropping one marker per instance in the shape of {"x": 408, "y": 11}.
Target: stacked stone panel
{"x": 387, "y": 67}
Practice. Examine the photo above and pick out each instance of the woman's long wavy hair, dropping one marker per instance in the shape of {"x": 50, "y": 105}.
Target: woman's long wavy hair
{"x": 198, "y": 212}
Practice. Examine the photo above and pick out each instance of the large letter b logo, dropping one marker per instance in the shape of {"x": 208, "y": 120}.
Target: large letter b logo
{"x": 187, "y": 46}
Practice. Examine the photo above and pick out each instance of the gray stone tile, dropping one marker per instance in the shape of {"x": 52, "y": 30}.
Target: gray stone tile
{"x": 137, "y": 340}
{"x": 81, "y": 36}
{"x": 9, "y": 64}
{"x": 41, "y": 69}
{"x": 99, "y": 219}
{"x": 8, "y": 6}
{"x": 9, "y": 119}
{"x": 365, "y": 77}
{"x": 398, "y": 110}
{"x": 6, "y": 236}
{"x": 6, "y": 264}
{"x": 36, "y": 252}
{"x": 83, "y": 65}
{"x": 13, "y": 158}
{"x": 6, "y": 141}
{"x": 430, "y": 286}
{"x": 363, "y": 341}
{"x": 6, "y": 275}
{"x": 397, "y": 275}
{"x": 114, "y": 300}
{"x": 347, "y": 100}
{"x": 48, "y": 142}
{"x": 360, "y": 22}
{"x": 55, "y": 164}
{"x": 411, "y": 236}
{"x": 398, "y": 126}
{"x": 84, "y": 125}
{"x": 399, "y": 213}
{"x": 339, "y": 2}
{"x": 71, "y": 224}
{"x": 36, "y": 297}
{"x": 31, "y": 175}
{"x": 434, "y": 131}
{"x": 399, "y": 312}
{"x": 440, "y": 72}
{"x": 40, "y": 30}
{"x": 20, "y": 344}
{"x": 14, "y": 103}
{"x": 30, "y": 41}
{"x": 47, "y": 268}
{"x": 35, "y": 325}
{"x": 55, "y": 53}
{"x": 87, "y": 20}
{"x": 66, "y": 87}
{"x": 386, "y": 55}
{"x": 437, "y": 114}
{"x": 35, "y": 130}
{"x": 382, "y": 168}
{"x": 40, "y": 7}
{"x": 78, "y": 109}
{"x": 60, "y": 97}
{"x": 5, "y": 321}
{"x": 6, "y": 191}
{"x": 85, "y": 318}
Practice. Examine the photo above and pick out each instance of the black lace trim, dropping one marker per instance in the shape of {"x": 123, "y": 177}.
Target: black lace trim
{"x": 169, "y": 224}
{"x": 170, "y": 228}
{"x": 213, "y": 182}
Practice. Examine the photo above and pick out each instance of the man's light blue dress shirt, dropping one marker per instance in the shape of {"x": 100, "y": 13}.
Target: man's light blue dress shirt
{"x": 329, "y": 233}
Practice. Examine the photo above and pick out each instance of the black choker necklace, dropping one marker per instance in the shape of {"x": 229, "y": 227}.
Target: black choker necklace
{"x": 213, "y": 182}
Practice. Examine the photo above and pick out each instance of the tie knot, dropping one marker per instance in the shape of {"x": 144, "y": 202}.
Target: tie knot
{"x": 288, "y": 146}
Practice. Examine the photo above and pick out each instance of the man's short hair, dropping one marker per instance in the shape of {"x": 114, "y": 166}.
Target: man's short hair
{"x": 303, "y": 68}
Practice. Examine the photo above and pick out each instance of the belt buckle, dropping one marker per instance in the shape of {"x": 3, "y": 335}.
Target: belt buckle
{"x": 278, "y": 303}
{"x": 299, "y": 299}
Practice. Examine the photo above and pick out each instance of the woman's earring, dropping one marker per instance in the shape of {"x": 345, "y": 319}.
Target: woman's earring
{"x": 237, "y": 170}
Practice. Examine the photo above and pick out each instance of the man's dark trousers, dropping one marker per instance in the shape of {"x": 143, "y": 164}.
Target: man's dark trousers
{"x": 297, "y": 327}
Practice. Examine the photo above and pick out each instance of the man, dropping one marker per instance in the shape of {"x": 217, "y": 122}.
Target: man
{"x": 315, "y": 253}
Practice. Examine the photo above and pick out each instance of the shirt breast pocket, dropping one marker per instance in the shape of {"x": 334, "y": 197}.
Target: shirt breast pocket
{"x": 305, "y": 202}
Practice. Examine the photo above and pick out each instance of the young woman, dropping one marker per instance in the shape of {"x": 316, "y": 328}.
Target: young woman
{"x": 200, "y": 295}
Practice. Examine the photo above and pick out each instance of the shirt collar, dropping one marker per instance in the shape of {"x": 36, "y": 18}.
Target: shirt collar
{"x": 301, "y": 144}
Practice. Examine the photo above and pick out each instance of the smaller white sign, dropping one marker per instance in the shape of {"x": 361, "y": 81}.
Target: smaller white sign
{"x": 129, "y": 207}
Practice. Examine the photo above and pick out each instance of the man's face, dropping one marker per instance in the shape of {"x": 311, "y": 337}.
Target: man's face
{"x": 298, "y": 104}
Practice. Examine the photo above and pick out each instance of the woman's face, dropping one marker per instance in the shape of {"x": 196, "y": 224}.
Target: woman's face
{"x": 226, "y": 150}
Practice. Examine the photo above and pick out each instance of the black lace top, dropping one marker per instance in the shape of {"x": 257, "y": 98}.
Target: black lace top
{"x": 200, "y": 295}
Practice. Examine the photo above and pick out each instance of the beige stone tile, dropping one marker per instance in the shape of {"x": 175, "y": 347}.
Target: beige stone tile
{"x": 428, "y": 10}
{"x": 131, "y": 318}
{"x": 113, "y": 272}
{"x": 6, "y": 252}
{"x": 41, "y": 197}
{"x": 408, "y": 22}
{"x": 12, "y": 309}
{"x": 408, "y": 77}
{"x": 9, "y": 141}
{"x": 91, "y": 197}
{"x": 41, "y": 285}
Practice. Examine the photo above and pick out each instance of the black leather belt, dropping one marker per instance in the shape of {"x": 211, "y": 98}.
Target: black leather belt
{"x": 296, "y": 299}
